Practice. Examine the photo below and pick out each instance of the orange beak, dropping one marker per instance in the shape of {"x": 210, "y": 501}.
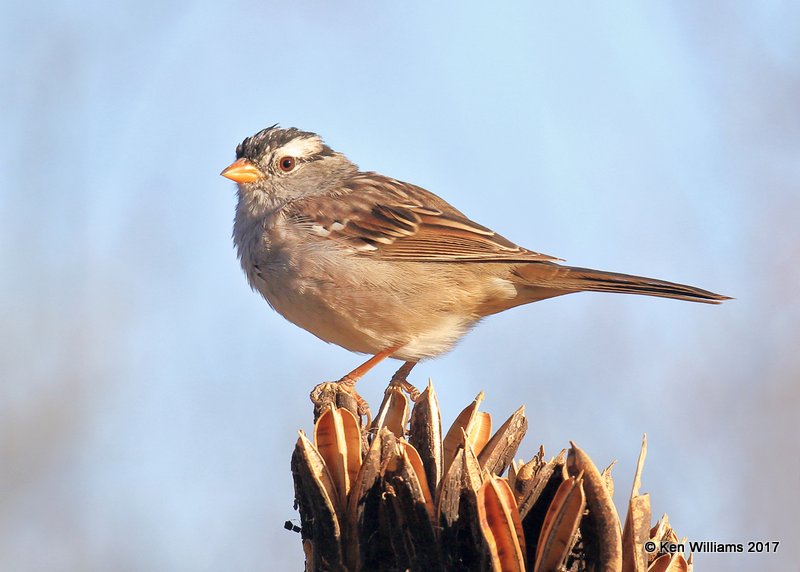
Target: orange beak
{"x": 242, "y": 171}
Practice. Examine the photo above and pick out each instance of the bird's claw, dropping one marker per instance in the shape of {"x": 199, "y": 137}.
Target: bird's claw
{"x": 340, "y": 393}
{"x": 405, "y": 385}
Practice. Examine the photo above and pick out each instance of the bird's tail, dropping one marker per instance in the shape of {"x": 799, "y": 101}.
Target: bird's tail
{"x": 567, "y": 279}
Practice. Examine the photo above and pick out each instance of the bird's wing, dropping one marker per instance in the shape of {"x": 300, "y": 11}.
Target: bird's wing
{"x": 390, "y": 220}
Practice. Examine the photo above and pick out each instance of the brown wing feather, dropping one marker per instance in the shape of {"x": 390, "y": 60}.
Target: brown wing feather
{"x": 392, "y": 220}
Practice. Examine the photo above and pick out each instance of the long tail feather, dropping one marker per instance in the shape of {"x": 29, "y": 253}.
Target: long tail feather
{"x": 574, "y": 279}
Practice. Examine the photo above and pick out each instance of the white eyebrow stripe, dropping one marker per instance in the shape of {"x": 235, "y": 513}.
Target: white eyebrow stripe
{"x": 303, "y": 147}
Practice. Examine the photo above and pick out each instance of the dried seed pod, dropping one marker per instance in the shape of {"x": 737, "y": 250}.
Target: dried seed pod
{"x": 525, "y": 472}
{"x": 537, "y": 477}
{"x": 502, "y": 447}
{"x": 637, "y": 523}
{"x": 513, "y": 469}
{"x": 464, "y": 474}
{"x": 393, "y": 413}
{"x": 449, "y": 496}
{"x": 560, "y": 525}
{"x": 425, "y": 435}
{"x": 408, "y": 512}
{"x": 460, "y": 537}
{"x": 662, "y": 531}
{"x": 511, "y": 502}
{"x": 669, "y": 563}
{"x": 308, "y": 552}
{"x": 415, "y": 504}
{"x": 317, "y": 499}
{"x": 461, "y": 425}
{"x": 608, "y": 479}
{"x": 412, "y": 458}
{"x": 333, "y": 393}
{"x": 312, "y": 460}
{"x": 479, "y": 430}
{"x": 500, "y": 524}
{"x": 338, "y": 440}
{"x": 600, "y": 529}
{"x": 366, "y": 479}
{"x": 369, "y": 543}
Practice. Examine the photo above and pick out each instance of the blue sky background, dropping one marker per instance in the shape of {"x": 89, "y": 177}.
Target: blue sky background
{"x": 149, "y": 401}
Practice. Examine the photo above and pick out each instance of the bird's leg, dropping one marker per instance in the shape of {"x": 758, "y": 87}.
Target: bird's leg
{"x": 399, "y": 380}
{"x": 352, "y": 377}
{"x": 324, "y": 393}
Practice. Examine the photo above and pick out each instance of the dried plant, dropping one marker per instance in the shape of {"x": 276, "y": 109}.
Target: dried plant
{"x": 397, "y": 494}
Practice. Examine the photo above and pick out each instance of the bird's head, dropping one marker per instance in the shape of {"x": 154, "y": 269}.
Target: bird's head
{"x": 278, "y": 164}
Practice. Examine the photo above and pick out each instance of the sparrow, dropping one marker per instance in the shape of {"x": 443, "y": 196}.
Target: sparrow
{"x": 383, "y": 267}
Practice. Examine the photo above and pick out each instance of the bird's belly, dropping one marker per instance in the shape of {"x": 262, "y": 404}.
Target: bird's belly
{"x": 438, "y": 337}
{"x": 361, "y": 318}
{"x": 302, "y": 306}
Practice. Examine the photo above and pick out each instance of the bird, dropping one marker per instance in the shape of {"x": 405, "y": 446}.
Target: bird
{"x": 383, "y": 267}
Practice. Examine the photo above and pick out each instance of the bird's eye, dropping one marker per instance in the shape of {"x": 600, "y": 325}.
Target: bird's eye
{"x": 286, "y": 164}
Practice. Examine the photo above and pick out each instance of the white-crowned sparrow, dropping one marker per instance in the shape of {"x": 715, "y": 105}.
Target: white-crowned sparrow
{"x": 383, "y": 267}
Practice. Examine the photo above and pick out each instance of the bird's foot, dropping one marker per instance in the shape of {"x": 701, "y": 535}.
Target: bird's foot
{"x": 343, "y": 393}
{"x": 399, "y": 380}
{"x": 340, "y": 393}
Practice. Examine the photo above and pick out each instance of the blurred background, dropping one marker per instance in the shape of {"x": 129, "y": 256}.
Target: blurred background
{"x": 149, "y": 401}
